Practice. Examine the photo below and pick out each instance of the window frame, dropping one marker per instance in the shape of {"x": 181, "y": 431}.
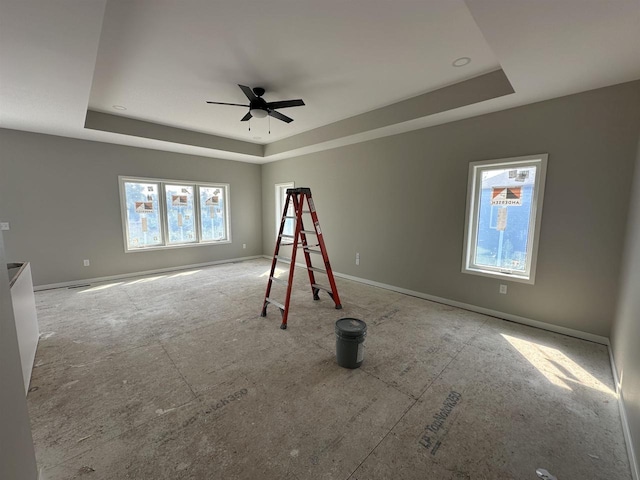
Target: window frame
{"x": 162, "y": 211}
{"x": 474, "y": 192}
{"x": 227, "y": 224}
{"x": 279, "y": 187}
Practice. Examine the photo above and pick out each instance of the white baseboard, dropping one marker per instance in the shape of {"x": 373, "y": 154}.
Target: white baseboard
{"x": 635, "y": 472}
{"x": 84, "y": 281}
{"x": 474, "y": 308}
{"x": 485, "y": 311}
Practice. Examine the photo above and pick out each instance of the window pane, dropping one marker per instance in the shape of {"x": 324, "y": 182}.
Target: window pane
{"x": 180, "y": 208}
{"x": 504, "y": 217}
{"x": 281, "y": 200}
{"x": 143, "y": 214}
{"x": 213, "y": 213}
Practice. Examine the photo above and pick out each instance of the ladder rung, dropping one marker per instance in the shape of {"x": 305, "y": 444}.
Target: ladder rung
{"x": 312, "y": 232}
{"x": 299, "y": 246}
{"x": 289, "y": 216}
{"x": 313, "y": 251}
{"x": 283, "y": 259}
{"x": 306, "y": 211}
{"x": 316, "y": 269}
{"x": 277, "y": 304}
{"x": 286, "y": 236}
{"x": 279, "y": 280}
{"x": 320, "y": 287}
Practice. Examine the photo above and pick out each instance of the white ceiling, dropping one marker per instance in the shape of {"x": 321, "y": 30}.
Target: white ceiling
{"x": 162, "y": 59}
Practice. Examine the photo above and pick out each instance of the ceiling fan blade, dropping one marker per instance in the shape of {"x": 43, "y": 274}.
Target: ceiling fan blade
{"x": 280, "y": 116}
{"x": 285, "y": 104}
{"x": 224, "y": 103}
{"x": 246, "y": 117}
{"x": 248, "y": 92}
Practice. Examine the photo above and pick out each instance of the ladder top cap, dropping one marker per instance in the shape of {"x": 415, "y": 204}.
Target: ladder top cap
{"x": 306, "y": 190}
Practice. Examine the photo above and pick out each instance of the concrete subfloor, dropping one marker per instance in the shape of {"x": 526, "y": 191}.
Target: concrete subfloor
{"x": 176, "y": 376}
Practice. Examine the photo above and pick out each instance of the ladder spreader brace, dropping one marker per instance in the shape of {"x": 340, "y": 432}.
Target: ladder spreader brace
{"x": 297, "y": 197}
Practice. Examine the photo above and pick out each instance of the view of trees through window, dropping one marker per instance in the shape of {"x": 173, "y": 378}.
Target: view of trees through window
{"x": 212, "y": 216}
{"x": 180, "y": 208}
{"x": 143, "y": 215}
{"x": 158, "y": 214}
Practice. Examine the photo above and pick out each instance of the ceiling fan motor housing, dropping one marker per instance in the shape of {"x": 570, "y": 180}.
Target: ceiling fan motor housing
{"x": 258, "y": 107}
{"x": 258, "y": 104}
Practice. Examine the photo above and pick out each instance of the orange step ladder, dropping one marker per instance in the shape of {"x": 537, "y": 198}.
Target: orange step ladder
{"x": 297, "y": 197}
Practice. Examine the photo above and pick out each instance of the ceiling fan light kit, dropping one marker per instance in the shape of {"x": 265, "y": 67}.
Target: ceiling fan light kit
{"x": 258, "y": 113}
{"x": 260, "y": 108}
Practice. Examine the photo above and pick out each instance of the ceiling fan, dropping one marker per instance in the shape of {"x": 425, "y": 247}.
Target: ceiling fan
{"x": 260, "y": 108}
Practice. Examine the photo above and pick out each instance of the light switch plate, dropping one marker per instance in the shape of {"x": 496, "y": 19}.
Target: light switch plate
{"x": 4, "y": 225}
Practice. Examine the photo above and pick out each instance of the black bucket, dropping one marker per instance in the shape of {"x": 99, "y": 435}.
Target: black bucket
{"x": 350, "y": 334}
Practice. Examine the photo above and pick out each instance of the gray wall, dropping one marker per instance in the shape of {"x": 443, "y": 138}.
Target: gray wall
{"x": 400, "y": 202}
{"x": 61, "y": 197}
{"x": 17, "y": 457}
{"x": 626, "y": 329}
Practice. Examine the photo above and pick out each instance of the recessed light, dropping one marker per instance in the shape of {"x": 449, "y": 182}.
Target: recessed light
{"x": 461, "y": 62}
{"x": 119, "y": 107}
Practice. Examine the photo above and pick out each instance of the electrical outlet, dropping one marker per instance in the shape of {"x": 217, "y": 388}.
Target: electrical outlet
{"x": 503, "y": 289}
{"x": 87, "y": 263}
{"x": 244, "y": 245}
{"x": 357, "y": 258}
{"x": 4, "y": 225}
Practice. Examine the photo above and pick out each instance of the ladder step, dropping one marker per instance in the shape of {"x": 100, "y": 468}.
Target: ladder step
{"x": 308, "y": 232}
{"x": 289, "y": 216}
{"x": 283, "y": 259}
{"x": 287, "y": 236}
{"x": 277, "y": 304}
{"x": 279, "y": 280}
{"x": 320, "y": 287}
{"x": 299, "y": 246}
{"x": 316, "y": 269}
{"x": 313, "y": 251}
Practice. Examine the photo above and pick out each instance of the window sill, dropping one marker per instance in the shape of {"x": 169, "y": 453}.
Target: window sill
{"x": 511, "y": 277}
{"x": 181, "y": 245}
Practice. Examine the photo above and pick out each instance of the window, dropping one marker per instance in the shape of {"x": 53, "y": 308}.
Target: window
{"x": 281, "y": 198}
{"x": 213, "y": 213}
{"x": 161, "y": 214}
{"x": 504, "y": 209}
{"x": 142, "y": 214}
{"x": 181, "y": 225}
